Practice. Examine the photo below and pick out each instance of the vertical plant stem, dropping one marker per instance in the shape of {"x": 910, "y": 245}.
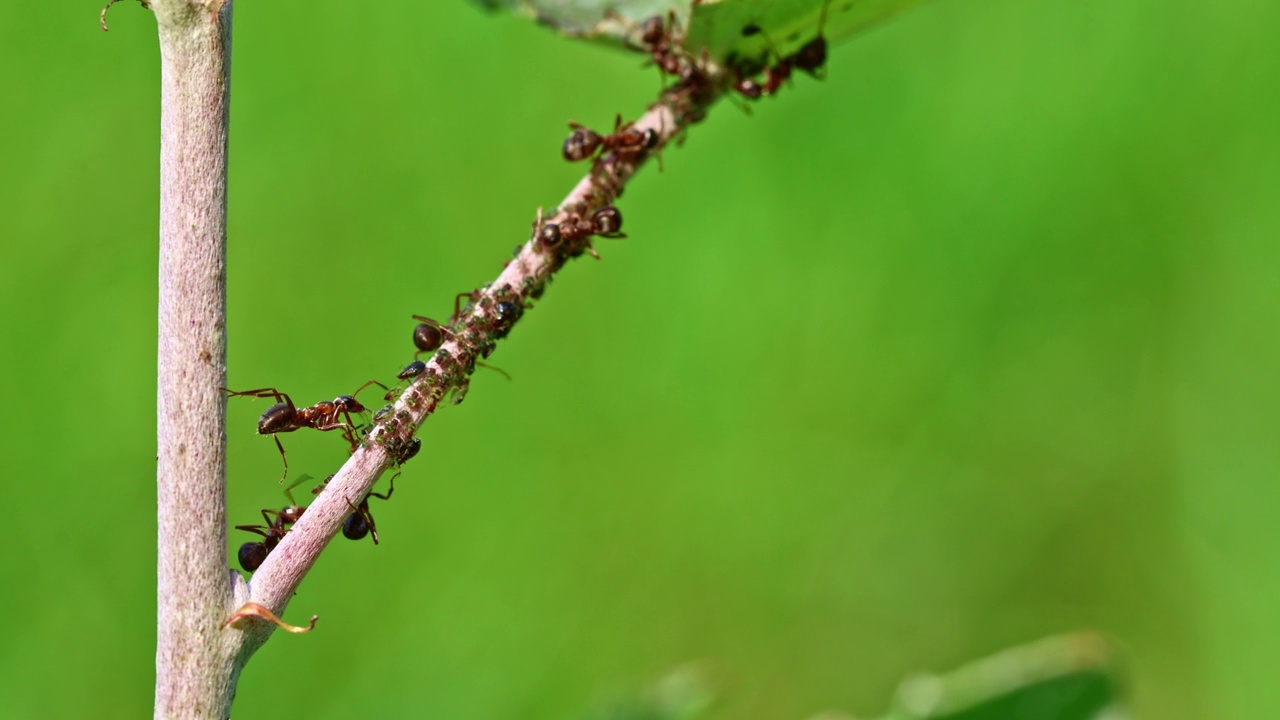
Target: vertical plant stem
{"x": 195, "y": 674}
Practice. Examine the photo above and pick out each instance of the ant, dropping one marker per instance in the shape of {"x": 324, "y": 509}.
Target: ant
{"x": 253, "y": 554}
{"x": 774, "y": 75}
{"x": 583, "y": 142}
{"x": 663, "y": 43}
{"x": 360, "y": 523}
{"x": 811, "y": 57}
{"x": 605, "y": 222}
{"x": 324, "y": 416}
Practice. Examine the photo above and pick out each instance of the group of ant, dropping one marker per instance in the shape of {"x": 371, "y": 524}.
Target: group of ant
{"x": 662, "y": 40}
{"x": 340, "y": 413}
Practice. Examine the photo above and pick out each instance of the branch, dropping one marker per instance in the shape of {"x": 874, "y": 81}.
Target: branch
{"x": 195, "y": 672}
{"x": 494, "y": 310}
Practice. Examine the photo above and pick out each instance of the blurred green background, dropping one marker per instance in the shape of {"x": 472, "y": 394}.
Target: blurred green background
{"x": 971, "y": 343}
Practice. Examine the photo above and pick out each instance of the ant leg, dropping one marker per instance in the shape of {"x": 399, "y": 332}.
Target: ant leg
{"x": 391, "y": 489}
{"x": 494, "y": 368}
{"x": 347, "y": 428}
{"x": 259, "y": 529}
{"x": 283, "y": 457}
{"x": 371, "y": 382}
{"x": 288, "y": 491}
{"x": 261, "y": 393}
{"x": 445, "y": 328}
{"x": 316, "y": 490}
{"x": 472, "y": 296}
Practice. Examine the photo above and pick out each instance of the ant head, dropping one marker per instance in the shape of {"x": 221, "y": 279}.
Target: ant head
{"x": 581, "y": 143}
{"x": 748, "y": 88}
{"x": 347, "y": 403}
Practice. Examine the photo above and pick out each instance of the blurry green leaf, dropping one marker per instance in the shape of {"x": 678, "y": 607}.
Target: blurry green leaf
{"x": 683, "y": 694}
{"x": 1071, "y": 677}
{"x": 787, "y": 24}
{"x": 713, "y": 25}
{"x": 609, "y": 20}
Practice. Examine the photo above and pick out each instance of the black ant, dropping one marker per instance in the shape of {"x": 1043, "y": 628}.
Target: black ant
{"x": 605, "y": 222}
{"x": 583, "y": 142}
{"x": 324, "y": 416}
{"x": 360, "y": 523}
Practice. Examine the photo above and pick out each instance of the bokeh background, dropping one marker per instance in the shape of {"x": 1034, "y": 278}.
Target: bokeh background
{"x": 974, "y": 342}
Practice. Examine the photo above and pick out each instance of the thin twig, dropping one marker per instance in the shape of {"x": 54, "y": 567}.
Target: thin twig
{"x": 521, "y": 282}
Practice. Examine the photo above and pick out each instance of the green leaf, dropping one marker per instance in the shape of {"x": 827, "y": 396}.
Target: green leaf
{"x": 608, "y": 20}
{"x": 718, "y": 25}
{"x": 713, "y": 25}
{"x": 1069, "y": 677}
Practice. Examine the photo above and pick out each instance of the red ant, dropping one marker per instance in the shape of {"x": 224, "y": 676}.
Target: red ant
{"x": 605, "y": 222}
{"x": 583, "y": 142}
{"x": 324, "y": 416}
{"x": 253, "y": 554}
{"x": 811, "y": 57}
{"x": 663, "y": 43}
{"x": 774, "y": 75}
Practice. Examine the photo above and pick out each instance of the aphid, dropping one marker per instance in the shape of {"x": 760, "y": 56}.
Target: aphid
{"x": 412, "y": 370}
{"x": 324, "y": 416}
{"x": 407, "y": 450}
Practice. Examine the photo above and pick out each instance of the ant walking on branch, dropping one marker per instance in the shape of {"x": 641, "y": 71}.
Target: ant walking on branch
{"x": 253, "y": 554}
{"x": 583, "y": 142}
{"x": 605, "y": 222}
{"x": 324, "y": 416}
